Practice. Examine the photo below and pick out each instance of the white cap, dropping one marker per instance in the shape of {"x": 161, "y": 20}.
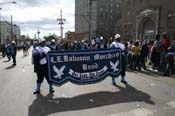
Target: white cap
{"x": 82, "y": 41}
{"x": 53, "y": 40}
{"x": 41, "y": 40}
{"x": 13, "y": 42}
{"x": 101, "y": 38}
{"x": 117, "y": 36}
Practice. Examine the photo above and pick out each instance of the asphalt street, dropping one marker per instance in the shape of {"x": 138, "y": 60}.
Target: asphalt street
{"x": 147, "y": 94}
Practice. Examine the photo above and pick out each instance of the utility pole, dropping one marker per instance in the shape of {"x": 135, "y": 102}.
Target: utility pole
{"x": 35, "y": 36}
{"x": 11, "y": 27}
{"x": 90, "y": 21}
{"x": 61, "y": 23}
{"x": 38, "y": 32}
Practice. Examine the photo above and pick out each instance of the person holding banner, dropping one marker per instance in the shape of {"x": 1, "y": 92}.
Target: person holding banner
{"x": 53, "y": 45}
{"x": 84, "y": 45}
{"x": 40, "y": 65}
{"x": 117, "y": 44}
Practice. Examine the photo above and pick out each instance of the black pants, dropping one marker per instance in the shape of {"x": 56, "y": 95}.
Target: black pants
{"x": 3, "y": 54}
{"x": 42, "y": 73}
{"x": 142, "y": 61}
{"x": 136, "y": 60}
{"x": 14, "y": 58}
{"x": 157, "y": 59}
{"x": 123, "y": 66}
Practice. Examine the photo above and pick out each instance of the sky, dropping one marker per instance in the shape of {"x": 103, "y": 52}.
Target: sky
{"x": 43, "y": 14}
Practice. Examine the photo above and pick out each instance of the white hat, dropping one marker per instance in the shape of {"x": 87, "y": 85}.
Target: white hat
{"x": 82, "y": 41}
{"x": 41, "y": 40}
{"x": 117, "y": 36}
{"x": 101, "y": 38}
{"x": 13, "y": 42}
{"x": 53, "y": 40}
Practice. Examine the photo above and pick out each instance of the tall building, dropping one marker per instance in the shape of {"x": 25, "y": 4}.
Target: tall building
{"x": 6, "y": 32}
{"x": 105, "y": 13}
{"x": 143, "y": 19}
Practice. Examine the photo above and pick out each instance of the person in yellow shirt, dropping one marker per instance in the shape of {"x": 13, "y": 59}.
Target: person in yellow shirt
{"x": 136, "y": 55}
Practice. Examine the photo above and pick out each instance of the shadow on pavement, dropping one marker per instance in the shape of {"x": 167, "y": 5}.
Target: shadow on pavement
{"x": 147, "y": 72}
{"x": 9, "y": 67}
{"x": 6, "y": 61}
{"x": 46, "y": 105}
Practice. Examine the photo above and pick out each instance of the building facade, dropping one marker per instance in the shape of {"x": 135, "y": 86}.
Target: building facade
{"x": 16, "y": 32}
{"x": 105, "y": 13}
{"x": 144, "y": 19}
{"x": 9, "y": 32}
{"x": 70, "y": 36}
{"x": 82, "y": 19}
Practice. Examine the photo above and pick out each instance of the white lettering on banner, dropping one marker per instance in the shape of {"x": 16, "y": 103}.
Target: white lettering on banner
{"x": 89, "y": 67}
{"x": 73, "y": 58}
{"x": 74, "y": 74}
{"x": 88, "y": 75}
{"x": 69, "y": 59}
{"x": 56, "y": 59}
{"x": 65, "y": 58}
{"x": 106, "y": 56}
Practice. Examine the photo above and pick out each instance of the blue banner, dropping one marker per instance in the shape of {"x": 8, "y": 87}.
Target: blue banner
{"x": 83, "y": 67}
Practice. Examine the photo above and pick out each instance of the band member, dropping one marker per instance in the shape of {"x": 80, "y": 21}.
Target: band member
{"x": 118, "y": 44}
{"x": 53, "y": 45}
{"x": 40, "y": 65}
{"x": 8, "y": 51}
{"x": 14, "y": 52}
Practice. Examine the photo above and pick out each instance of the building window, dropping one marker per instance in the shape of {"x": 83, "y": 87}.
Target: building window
{"x": 111, "y": 5}
{"x": 111, "y": 16}
{"x": 101, "y": 9}
{"x": 111, "y": 10}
